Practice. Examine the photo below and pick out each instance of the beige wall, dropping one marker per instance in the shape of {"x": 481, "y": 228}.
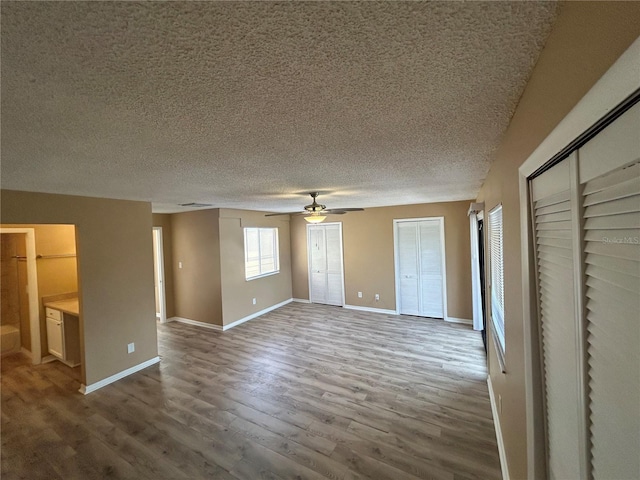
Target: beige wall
{"x": 587, "y": 38}
{"x": 197, "y": 286}
{"x": 237, "y": 292}
{"x": 211, "y": 287}
{"x": 369, "y": 255}
{"x": 164, "y": 221}
{"x": 115, "y": 273}
{"x": 55, "y": 275}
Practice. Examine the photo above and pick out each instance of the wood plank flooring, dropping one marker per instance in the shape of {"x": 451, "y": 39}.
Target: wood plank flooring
{"x": 304, "y": 392}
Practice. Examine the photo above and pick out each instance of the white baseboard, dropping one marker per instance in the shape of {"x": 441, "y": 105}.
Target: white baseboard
{"x": 86, "y": 389}
{"x": 370, "y": 309}
{"x": 466, "y": 321}
{"x": 224, "y": 328}
{"x": 257, "y": 314}
{"x": 301, "y": 300}
{"x": 49, "y": 359}
{"x": 188, "y": 321}
{"x": 499, "y": 439}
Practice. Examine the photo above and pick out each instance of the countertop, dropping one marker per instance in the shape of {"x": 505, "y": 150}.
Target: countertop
{"x": 69, "y": 306}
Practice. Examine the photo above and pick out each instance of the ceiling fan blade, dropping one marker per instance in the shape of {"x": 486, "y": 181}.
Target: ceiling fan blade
{"x": 274, "y": 214}
{"x": 334, "y": 211}
{"x": 338, "y": 211}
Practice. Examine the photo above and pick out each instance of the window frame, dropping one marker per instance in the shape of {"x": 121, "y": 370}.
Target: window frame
{"x": 276, "y": 252}
{"x": 496, "y": 299}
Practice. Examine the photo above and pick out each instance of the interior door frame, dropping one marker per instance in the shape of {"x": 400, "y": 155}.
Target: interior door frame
{"x": 612, "y": 90}
{"x": 309, "y": 226}
{"x": 159, "y": 262}
{"x": 396, "y": 263}
{"x": 32, "y": 290}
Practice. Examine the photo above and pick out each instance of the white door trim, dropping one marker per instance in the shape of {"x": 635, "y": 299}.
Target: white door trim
{"x": 616, "y": 85}
{"x": 159, "y": 261}
{"x": 309, "y": 226}
{"x": 476, "y": 285}
{"x": 32, "y": 290}
{"x": 396, "y": 264}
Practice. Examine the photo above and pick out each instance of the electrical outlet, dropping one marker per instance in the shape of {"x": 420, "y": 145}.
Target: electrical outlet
{"x": 359, "y": 294}
{"x": 500, "y": 404}
{"x": 377, "y": 297}
{"x": 131, "y": 347}
{"x": 179, "y": 264}
{"x": 254, "y": 301}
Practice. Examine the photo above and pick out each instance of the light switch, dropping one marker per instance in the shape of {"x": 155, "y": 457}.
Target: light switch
{"x": 131, "y": 347}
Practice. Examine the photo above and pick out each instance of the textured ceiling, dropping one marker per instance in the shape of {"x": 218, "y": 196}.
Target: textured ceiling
{"x": 249, "y": 104}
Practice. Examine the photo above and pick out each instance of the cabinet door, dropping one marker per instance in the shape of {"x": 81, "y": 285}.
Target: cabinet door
{"x": 54, "y": 337}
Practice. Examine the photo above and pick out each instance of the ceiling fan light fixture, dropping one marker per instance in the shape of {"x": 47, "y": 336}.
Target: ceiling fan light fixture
{"x": 315, "y": 218}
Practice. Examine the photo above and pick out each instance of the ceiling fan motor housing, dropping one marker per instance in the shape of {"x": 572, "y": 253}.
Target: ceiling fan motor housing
{"x": 314, "y": 207}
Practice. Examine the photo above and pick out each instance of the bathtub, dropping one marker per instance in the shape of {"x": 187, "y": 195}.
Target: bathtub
{"x": 9, "y": 339}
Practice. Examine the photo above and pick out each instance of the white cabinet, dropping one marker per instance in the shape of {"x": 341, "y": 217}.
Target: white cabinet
{"x": 63, "y": 333}
{"x": 54, "y": 332}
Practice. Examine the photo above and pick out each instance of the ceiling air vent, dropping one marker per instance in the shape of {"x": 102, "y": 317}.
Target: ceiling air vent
{"x": 196, "y": 205}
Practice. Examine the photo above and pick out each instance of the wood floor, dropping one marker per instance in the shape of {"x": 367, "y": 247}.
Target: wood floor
{"x": 304, "y": 392}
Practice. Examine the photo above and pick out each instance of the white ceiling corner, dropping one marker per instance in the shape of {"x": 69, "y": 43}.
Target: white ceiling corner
{"x": 250, "y": 104}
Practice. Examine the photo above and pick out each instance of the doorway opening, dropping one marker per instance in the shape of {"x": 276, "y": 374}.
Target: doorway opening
{"x": 158, "y": 275}
{"x": 40, "y": 305}
{"x": 19, "y": 318}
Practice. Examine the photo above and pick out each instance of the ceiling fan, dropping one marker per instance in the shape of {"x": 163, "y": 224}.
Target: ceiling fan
{"x": 316, "y": 213}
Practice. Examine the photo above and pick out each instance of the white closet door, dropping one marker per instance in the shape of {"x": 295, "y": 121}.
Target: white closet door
{"x": 420, "y": 275}
{"x": 612, "y": 257}
{"x": 551, "y": 195}
{"x": 325, "y": 264}
{"x": 431, "y": 269}
{"x": 408, "y": 272}
{"x": 334, "y": 264}
{"x": 317, "y": 265}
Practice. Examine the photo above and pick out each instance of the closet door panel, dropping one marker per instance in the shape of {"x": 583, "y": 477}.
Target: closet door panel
{"x": 621, "y": 137}
{"x": 317, "y": 265}
{"x": 334, "y": 265}
{"x": 431, "y": 269}
{"x": 408, "y": 268}
{"x": 612, "y": 257}
{"x": 551, "y": 194}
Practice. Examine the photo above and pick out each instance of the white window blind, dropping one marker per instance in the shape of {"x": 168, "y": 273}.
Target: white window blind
{"x": 496, "y": 260}
{"x": 261, "y": 256}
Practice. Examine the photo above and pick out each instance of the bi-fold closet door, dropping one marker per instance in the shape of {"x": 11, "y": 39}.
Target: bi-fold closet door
{"x": 326, "y": 276}
{"x": 420, "y": 267}
{"x": 586, "y": 215}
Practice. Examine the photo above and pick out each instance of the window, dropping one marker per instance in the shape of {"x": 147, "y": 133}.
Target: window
{"x": 496, "y": 277}
{"x": 260, "y": 252}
